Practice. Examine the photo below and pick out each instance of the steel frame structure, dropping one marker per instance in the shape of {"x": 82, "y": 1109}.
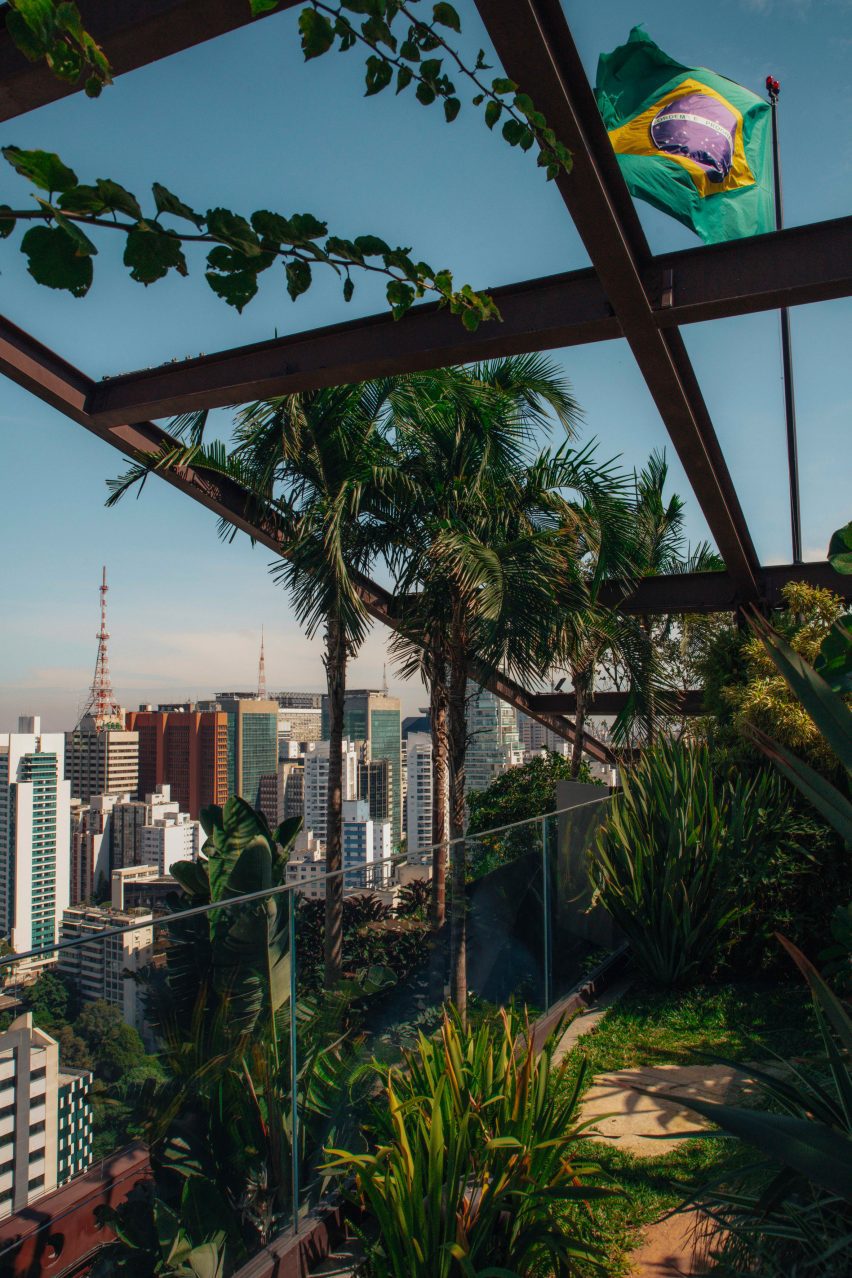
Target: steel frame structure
{"x": 626, "y": 293}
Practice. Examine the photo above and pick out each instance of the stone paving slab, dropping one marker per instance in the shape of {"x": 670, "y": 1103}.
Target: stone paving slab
{"x": 647, "y": 1126}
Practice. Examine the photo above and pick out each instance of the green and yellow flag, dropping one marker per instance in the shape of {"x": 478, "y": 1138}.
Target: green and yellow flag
{"x": 688, "y": 141}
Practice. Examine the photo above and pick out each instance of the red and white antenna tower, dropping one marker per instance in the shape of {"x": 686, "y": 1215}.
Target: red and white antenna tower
{"x": 101, "y": 704}
{"x": 261, "y": 671}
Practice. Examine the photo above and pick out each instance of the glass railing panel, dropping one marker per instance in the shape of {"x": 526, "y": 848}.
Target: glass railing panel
{"x": 581, "y": 934}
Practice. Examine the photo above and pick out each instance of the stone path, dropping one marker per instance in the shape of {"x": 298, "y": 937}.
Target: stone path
{"x": 648, "y": 1126}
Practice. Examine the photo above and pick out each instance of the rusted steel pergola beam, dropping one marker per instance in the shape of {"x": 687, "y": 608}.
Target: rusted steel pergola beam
{"x": 804, "y": 264}
{"x": 64, "y": 387}
{"x": 611, "y": 703}
{"x": 133, "y": 33}
{"x": 536, "y": 48}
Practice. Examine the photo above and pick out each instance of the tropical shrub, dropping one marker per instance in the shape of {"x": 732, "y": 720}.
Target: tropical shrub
{"x": 743, "y": 688}
{"x": 663, "y": 859}
{"x": 790, "y": 1214}
{"x": 473, "y": 1145}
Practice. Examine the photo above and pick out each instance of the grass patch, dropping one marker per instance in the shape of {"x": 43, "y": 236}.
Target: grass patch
{"x": 743, "y": 1022}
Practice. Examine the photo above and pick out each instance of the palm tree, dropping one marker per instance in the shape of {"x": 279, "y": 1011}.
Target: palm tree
{"x": 315, "y": 465}
{"x": 481, "y": 550}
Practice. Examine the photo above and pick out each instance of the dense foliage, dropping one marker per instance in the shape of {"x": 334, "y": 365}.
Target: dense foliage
{"x": 471, "y": 1146}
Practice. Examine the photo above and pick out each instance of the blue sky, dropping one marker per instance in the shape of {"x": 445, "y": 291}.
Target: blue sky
{"x": 243, "y": 122}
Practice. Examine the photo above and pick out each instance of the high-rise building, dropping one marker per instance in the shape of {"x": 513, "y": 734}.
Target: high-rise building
{"x": 375, "y": 786}
{"x": 535, "y": 737}
{"x": 135, "y": 887}
{"x": 153, "y": 832}
{"x": 103, "y": 967}
{"x": 316, "y": 785}
{"x": 366, "y": 848}
{"x": 291, "y": 788}
{"x": 45, "y": 1118}
{"x": 35, "y": 835}
{"x": 92, "y": 845}
{"x": 299, "y": 715}
{"x": 418, "y": 762}
{"x": 252, "y": 744}
{"x": 375, "y": 718}
{"x": 492, "y": 735}
{"x": 101, "y": 758}
{"x": 186, "y": 749}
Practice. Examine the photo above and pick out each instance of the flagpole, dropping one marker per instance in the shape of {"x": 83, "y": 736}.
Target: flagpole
{"x": 773, "y": 88}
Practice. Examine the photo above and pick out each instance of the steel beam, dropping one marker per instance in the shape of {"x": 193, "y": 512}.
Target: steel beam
{"x": 132, "y": 33}
{"x": 805, "y": 264}
{"x": 612, "y": 703}
{"x": 709, "y": 592}
{"x": 537, "y": 50}
{"x": 64, "y": 387}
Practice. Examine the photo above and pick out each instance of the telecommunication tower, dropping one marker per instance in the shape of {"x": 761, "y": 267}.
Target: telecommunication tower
{"x": 101, "y": 705}
{"x": 261, "y": 672}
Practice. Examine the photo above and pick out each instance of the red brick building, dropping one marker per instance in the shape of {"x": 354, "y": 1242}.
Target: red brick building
{"x": 186, "y": 750}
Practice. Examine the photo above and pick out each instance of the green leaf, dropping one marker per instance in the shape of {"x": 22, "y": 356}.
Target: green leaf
{"x": 425, "y": 94}
{"x": 834, "y": 662}
{"x": 377, "y": 31}
{"x": 298, "y": 277}
{"x": 83, "y": 246}
{"x": 166, "y": 202}
{"x": 236, "y": 288}
{"x": 7, "y": 223}
{"x": 825, "y": 797}
{"x": 410, "y": 51}
{"x": 43, "y": 168}
{"x": 116, "y": 198}
{"x": 371, "y": 245}
{"x": 232, "y": 229}
{"x": 263, "y": 6}
{"x": 471, "y": 320}
{"x": 53, "y": 260}
{"x": 404, "y": 76}
{"x": 444, "y": 15}
{"x": 304, "y": 227}
{"x": 400, "y": 296}
{"x": 452, "y": 106}
{"x": 378, "y": 76}
{"x": 493, "y": 111}
{"x": 28, "y": 41}
{"x": 501, "y": 85}
{"x": 513, "y": 132}
{"x": 840, "y": 550}
{"x": 81, "y": 199}
{"x": 317, "y": 33}
{"x": 150, "y": 253}
{"x": 348, "y": 289}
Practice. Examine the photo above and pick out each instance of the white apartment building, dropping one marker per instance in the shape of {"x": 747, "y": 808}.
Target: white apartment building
{"x": 102, "y": 760}
{"x": 307, "y": 865}
{"x": 316, "y": 784}
{"x": 35, "y": 835}
{"x": 367, "y": 845}
{"x": 45, "y": 1117}
{"x": 493, "y": 741}
{"x": 153, "y": 832}
{"x": 102, "y": 967}
{"x": 170, "y": 838}
{"x": 418, "y": 768}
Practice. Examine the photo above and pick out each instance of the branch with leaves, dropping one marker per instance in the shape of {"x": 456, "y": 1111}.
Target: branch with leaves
{"x": 60, "y": 253}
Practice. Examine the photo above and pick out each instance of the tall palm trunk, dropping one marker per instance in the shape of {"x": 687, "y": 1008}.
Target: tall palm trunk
{"x": 335, "y": 670}
{"x": 438, "y": 695}
{"x": 582, "y": 679}
{"x": 457, "y": 725}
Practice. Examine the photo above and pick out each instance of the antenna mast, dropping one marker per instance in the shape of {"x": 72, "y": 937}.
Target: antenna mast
{"x": 101, "y": 705}
{"x": 261, "y": 671}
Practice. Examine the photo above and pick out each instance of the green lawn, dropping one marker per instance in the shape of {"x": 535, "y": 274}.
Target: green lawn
{"x": 651, "y": 1028}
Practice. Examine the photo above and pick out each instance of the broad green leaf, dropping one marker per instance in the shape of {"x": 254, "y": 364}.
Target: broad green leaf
{"x": 44, "y": 168}
{"x": 166, "y": 202}
{"x": 81, "y": 199}
{"x": 493, "y": 111}
{"x": 82, "y": 244}
{"x": 833, "y": 805}
{"x": 840, "y": 549}
{"x": 232, "y": 229}
{"x": 834, "y": 662}
{"x": 53, "y": 260}
{"x": 298, "y": 278}
{"x": 236, "y": 288}
{"x": 150, "y": 253}
{"x": 304, "y": 227}
{"x": 452, "y": 106}
{"x": 378, "y": 75}
{"x": 445, "y": 15}
{"x": 317, "y": 33}
{"x": 371, "y": 245}
{"x": 115, "y": 197}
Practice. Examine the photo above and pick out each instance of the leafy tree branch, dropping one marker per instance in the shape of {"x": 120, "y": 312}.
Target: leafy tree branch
{"x": 60, "y": 254}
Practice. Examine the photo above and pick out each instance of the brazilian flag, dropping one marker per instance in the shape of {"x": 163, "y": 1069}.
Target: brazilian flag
{"x": 688, "y": 141}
